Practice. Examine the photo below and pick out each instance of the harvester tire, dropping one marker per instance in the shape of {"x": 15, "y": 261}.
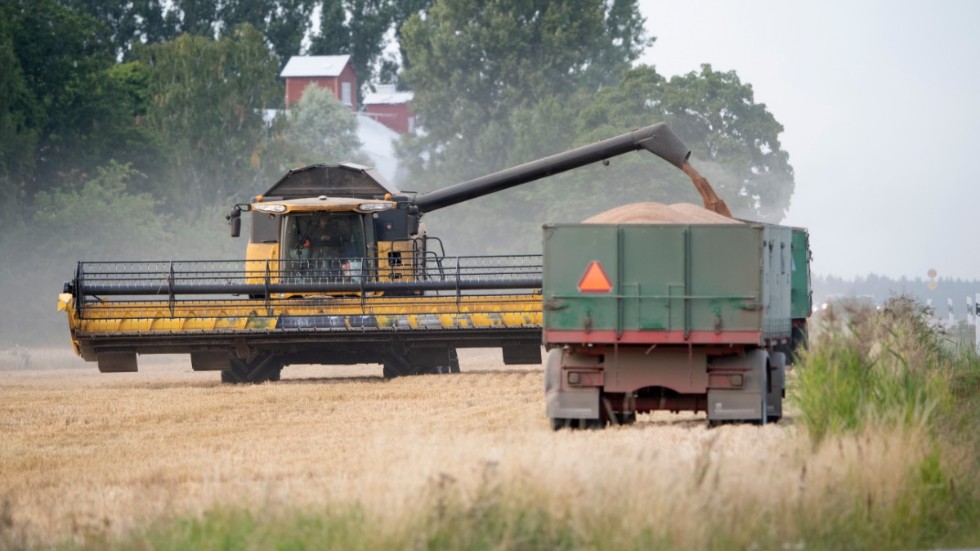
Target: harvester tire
{"x": 259, "y": 368}
{"x": 231, "y": 376}
{"x": 451, "y": 365}
{"x": 453, "y": 361}
{"x": 396, "y": 365}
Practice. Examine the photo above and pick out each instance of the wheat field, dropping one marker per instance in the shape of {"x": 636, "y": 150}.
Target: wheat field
{"x": 83, "y": 452}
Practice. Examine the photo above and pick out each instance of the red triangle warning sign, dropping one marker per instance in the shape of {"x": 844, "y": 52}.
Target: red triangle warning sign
{"x": 594, "y": 280}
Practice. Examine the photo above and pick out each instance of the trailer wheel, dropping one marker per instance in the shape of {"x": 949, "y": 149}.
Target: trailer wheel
{"x": 587, "y": 424}
{"x": 625, "y": 417}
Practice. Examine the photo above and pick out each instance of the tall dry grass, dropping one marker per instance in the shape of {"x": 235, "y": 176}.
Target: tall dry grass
{"x": 169, "y": 458}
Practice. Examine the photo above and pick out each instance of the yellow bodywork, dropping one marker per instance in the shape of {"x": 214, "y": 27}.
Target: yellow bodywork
{"x": 257, "y": 255}
{"x": 398, "y": 313}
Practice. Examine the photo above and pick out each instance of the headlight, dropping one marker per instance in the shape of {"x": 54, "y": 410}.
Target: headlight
{"x": 270, "y": 208}
{"x": 374, "y": 207}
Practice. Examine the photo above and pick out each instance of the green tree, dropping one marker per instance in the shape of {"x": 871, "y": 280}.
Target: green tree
{"x": 283, "y": 22}
{"x": 525, "y": 52}
{"x": 401, "y": 13}
{"x": 20, "y": 113}
{"x": 319, "y": 129}
{"x": 98, "y": 219}
{"x": 197, "y": 17}
{"x": 129, "y": 22}
{"x": 355, "y": 27}
{"x": 334, "y": 35}
{"x": 60, "y": 98}
{"x": 207, "y": 105}
{"x": 734, "y": 140}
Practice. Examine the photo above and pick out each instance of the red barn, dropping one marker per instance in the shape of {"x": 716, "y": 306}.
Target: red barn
{"x": 326, "y": 71}
{"x": 390, "y": 107}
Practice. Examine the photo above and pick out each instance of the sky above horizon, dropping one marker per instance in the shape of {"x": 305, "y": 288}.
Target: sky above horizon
{"x": 880, "y": 104}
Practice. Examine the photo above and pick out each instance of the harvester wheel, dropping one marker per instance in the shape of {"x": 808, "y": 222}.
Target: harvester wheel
{"x": 451, "y": 365}
{"x": 396, "y": 365}
{"x": 231, "y": 376}
{"x": 259, "y": 368}
{"x": 453, "y": 361}
{"x": 438, "y": 362}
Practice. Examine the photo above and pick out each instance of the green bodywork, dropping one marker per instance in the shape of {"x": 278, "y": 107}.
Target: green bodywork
{"x": 802, "y": 296}
{"x": 715, "y": 278}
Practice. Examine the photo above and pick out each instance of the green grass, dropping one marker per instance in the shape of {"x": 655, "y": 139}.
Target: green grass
{"x": 926, "y": 514}
{"x": 873, "y": 370}
{"x": 868, "y": 367}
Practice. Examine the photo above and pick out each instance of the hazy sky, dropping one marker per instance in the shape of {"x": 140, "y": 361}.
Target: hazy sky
{"x": 880, "y": 101}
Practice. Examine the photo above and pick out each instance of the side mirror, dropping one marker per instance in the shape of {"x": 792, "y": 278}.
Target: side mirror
{"x": 235, "y": 218}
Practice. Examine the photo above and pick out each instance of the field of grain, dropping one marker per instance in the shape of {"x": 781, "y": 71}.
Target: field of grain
{"x": 85, "y": 453}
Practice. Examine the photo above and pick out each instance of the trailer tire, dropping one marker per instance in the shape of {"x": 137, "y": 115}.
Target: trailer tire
{"x": 585, "y": 424}
{"x": 625, "y": 417}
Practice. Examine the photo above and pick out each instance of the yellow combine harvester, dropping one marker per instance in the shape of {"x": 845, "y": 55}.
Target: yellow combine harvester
{"x": 338, "y": 270}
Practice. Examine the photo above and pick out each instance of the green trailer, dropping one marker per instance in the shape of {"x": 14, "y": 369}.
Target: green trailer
{"x": 643, "y": 317}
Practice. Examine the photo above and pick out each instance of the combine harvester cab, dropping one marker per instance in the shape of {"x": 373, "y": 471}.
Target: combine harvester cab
{"x": 695, "y": 317}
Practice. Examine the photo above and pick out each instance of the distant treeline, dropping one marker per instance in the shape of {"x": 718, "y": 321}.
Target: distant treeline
{"x": 879, "y": 289}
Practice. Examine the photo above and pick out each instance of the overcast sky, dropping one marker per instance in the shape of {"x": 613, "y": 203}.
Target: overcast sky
{"x": 880, "y": 101}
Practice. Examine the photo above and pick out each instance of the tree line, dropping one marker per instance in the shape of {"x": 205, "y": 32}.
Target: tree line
{"x": 127, "y": 129}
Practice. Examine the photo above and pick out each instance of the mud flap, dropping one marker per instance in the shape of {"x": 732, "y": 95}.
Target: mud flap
{"x": 741, "y": 404}
{"x": 777, "y": 386}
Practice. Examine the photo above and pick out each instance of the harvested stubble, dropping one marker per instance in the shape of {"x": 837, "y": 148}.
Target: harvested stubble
{"x": 659, "y": 213}
{"x": 83, "y": 452}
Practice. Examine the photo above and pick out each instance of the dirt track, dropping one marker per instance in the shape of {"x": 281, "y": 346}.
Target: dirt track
{"x": 83, "y": 451}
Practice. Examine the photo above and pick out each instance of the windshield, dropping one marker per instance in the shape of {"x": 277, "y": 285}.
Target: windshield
{"x": 324, "y": 235}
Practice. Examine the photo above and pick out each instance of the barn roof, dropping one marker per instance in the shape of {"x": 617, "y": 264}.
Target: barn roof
{"x": 315, "y": 66}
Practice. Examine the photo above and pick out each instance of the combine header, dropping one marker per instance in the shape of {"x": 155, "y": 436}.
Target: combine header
{"x": 305, "y": 311}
